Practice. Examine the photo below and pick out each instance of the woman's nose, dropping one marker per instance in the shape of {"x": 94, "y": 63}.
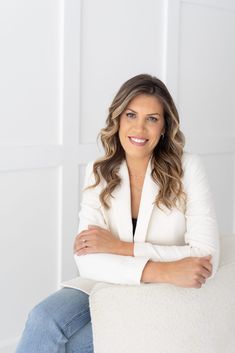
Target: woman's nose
{"x": 140, "y": 123}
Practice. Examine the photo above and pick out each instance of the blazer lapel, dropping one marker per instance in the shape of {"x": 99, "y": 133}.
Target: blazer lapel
{"x": 121, "y": 204}
{"x": 149, "y": 193}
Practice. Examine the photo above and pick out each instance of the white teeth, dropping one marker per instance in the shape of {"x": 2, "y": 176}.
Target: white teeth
{"x": 137, "y": 140}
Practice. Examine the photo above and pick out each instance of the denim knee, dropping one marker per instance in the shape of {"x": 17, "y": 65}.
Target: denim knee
{"x": 41, "y": 333}
{"x": 40, "y": 319}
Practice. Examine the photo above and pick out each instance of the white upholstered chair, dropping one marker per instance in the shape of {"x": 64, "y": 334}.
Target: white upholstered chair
{"x": 163, "y": 318}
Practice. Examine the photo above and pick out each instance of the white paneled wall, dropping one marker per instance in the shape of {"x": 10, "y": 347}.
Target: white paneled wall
{"x": 61, "y": 63}
{"x": 119, "y": 39}
{"x": 29, "y": 246}
{"x": 30, "y": 159}
{"x": 30, "y": 72}
{"x": 200, "y": 72}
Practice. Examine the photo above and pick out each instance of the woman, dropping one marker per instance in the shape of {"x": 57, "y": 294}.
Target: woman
{"x": 146, "y": 216}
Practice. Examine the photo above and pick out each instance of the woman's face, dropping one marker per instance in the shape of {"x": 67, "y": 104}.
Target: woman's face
{"x": 141, "y": 126}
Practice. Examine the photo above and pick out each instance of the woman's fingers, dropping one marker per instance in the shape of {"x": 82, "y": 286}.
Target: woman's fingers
{"x": 206, "y": 268}
{"x": 87, "y": 241}
{"x": 79, "y": 243}
{"x": 189, "y": 272}
{"x": 202, "y": 279}
{"x": 206, "y": 264}
{"x": 205, "y": 273}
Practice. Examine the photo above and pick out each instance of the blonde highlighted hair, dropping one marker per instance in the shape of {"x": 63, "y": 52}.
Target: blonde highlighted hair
{"x": 167, "y": 156}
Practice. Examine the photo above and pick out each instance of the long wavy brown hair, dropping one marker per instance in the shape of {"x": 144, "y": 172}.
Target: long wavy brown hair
{"x": 167, "y": 156}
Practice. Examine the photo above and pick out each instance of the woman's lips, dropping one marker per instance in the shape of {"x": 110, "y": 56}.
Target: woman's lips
{"x": 137, "y": 141}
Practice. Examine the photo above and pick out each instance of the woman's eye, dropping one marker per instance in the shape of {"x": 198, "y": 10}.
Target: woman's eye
{"x": 130, "y": 115}
{"x": 152, "y": 119}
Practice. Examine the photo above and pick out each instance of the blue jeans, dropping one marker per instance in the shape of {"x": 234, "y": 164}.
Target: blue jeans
{"x": 61, "y": 323}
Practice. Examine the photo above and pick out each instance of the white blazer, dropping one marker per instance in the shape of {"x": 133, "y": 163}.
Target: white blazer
{"x": 160, "y": 235}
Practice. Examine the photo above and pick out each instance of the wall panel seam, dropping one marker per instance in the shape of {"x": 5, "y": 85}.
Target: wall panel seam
{"x": 205, "y": 4}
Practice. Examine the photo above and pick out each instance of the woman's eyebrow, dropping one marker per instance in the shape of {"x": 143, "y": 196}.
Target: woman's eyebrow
{"x": 146, "y": 114}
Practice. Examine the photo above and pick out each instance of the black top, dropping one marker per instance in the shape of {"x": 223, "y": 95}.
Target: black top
{"x": 134, "y": 220}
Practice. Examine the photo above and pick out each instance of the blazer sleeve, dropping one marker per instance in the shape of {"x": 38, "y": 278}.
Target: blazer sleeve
{"x": 202, "y": 234}
{"x": 102, "y": 266}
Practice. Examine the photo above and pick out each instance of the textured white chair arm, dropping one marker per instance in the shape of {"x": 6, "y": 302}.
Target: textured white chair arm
{"x": 163, "y": 318}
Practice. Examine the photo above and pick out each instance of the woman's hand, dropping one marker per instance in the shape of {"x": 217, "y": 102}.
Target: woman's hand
{"x": 189, "y": 272}
{"x": 96, "y": 240}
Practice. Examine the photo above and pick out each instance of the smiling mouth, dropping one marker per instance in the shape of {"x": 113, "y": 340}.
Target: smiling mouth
{"x": 138, "y": 141}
